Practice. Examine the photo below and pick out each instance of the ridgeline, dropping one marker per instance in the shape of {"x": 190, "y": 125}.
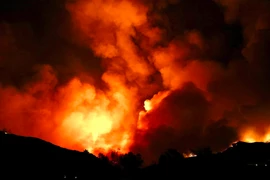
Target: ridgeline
{"x": 33, "y": 158}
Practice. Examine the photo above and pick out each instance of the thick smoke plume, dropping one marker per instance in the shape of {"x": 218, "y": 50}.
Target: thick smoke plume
{"x": 139, "y": 76}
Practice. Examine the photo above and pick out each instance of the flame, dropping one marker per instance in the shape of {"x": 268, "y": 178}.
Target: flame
{"x": 82, "y": 115}
{"x": 150, "y": 104}
{"x": 132, "y": 102}
{"x": 147, "y": 105}
{"x": 188, "y": 155}
{"x": 98, "y": 118}
{"x": 92, "y": 117}
{"x": 251, "y": 136}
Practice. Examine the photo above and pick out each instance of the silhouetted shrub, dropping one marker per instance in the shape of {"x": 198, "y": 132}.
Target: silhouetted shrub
{"x": 203, "y": 152}
{"x": 130, "y": 161}
{"x": 171, "y": 158}
{"x": 103, "y": 158}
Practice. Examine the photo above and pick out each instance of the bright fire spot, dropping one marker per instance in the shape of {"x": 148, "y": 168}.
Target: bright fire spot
{"x": 188, "y": 155}
{"x": 97, "y": 124}
{"x": 147, "y": 105}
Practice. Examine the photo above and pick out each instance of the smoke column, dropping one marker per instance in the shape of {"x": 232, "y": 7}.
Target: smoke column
{"x": 140, "y": 76}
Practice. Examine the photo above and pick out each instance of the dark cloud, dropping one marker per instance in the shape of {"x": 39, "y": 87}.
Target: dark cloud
{"x": 178, "y": 122}
{"x": 40, "y": 32}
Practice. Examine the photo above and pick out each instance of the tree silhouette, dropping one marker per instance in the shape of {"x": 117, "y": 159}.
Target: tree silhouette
{"x": 130, "y": 161}
{"x": 114, "y": 157}
{"x": 170, "y": 162}
{"x": 5, "y": 131}
{"x": 171, "y": 158}
{"x": 103, "y": 158}
{"x": 203, "y": 152}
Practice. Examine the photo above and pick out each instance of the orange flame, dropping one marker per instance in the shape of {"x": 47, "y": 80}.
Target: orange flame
{"x": 250, "y": 136}
{"x": 81, "y": 115}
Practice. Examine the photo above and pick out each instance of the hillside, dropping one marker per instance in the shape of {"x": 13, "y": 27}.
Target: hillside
{"x": 28, "y": 156}
{"x": 32, "y": 158}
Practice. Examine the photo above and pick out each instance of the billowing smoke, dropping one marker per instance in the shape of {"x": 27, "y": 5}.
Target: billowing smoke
{"x": 134, "y": 75}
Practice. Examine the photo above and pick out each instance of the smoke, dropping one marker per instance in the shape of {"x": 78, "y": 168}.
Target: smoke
{"x": 139, "y": 76}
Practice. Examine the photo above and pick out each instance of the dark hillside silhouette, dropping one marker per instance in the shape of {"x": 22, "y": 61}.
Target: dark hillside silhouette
{"x": 32, "y": 158}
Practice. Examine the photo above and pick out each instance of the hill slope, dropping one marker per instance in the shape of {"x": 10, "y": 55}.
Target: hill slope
{"x": 24, "y": 156}
{"x": 32, "y": 158}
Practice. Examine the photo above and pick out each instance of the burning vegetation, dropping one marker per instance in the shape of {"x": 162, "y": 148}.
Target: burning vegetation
{"x": 140, "y": 76}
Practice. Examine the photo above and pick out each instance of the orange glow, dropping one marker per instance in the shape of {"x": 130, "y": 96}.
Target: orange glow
{"x": 188, "y": 155}
{"x": 79, "y": 115}
{"x": 154, "y": 102}
{"x": 251, "y": 136}
{"x": 152, "y": 85}
{"x": 148, "y": 106}
{"x": 90, "y": 116}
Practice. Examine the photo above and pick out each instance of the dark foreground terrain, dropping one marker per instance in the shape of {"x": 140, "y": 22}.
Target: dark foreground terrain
{"x": 32, "y": 158}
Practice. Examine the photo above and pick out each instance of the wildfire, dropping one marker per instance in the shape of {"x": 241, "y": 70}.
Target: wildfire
{"x": 91, "y": 117}
{"x": 252, "y": 136}
{"x": 154, "y": 87}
